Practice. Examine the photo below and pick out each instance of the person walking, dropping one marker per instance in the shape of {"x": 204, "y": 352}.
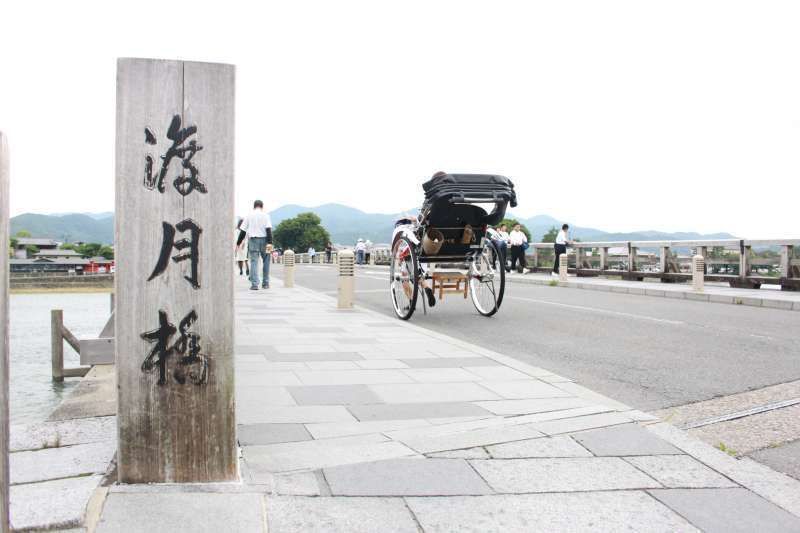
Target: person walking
{"x": 241, "y": 251}
{"x": 257, "y": 226}
{"x": 328, "y": 252}
{"x": 562, "y": 241}
{"x": 517, "y": 239}
{"x": 311, "y": 253}
{"x": 361, "y": 249}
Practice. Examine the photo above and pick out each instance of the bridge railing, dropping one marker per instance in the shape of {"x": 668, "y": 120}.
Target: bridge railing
{"x": 740, "y": 262}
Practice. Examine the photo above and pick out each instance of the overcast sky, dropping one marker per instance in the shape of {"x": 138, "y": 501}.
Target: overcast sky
{"x": 618, "y": 115}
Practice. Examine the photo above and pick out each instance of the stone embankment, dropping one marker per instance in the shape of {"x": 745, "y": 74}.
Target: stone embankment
{"x": 51, "y": 283}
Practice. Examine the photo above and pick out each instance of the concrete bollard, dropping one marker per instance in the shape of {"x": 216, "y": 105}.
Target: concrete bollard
{"x": 346, "y": 279}
{"x": 288, "y": 269}
{"x": 562, "y": 267}
{"x": 698, "y": 272}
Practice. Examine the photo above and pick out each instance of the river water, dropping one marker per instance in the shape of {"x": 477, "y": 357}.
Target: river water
{"x": 33, "y": 394}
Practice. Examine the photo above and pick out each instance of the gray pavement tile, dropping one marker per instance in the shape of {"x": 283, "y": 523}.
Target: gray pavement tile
{"x": 568, "y": 425}
{"x": 316, "y": 454}
{"x": 440, "y": 375}
{"x": 264, "y": 320}
{"x": 680, "y": 471}
{"x": 406, "y": 477}
{"x": 56, "y": 463}
{"x": 334, "y": 395}
{"x": 589, "y": 512}
{"x": 157, "y": 512}
{"x": 338, "y": 515}
{"x": 382, "y": 325}
{"x": 316, "y": 356}
{"x": 255, "y": 397}
{"x": 533, "y": 405}
{"x": 376, "y": 364}
{"x": 449, "y": 362}
{"x": 628, "y": 439}
{"x": 343, "y": 429}
{"x": 469, "y": 453}
{"x": 728, "y": 510}
{"x": 470, "y": 438}
{"x": 776, "y": 487}
{"x": 319, "y": 329}
{"x": 784, "y": 458}
{"x": 559, "y": 446}
{"x": 300, "y": 414}
{"x": 416, "y": 410}
{"x": 60, "y": 503}
{"x": 246, "y": 378}
{"x": 433, "y": 392}
{"x": 64, "y": 432}
{"x": 561, "y": 475}
{"x": 292, "y": 484}
{"x": 252, "y": 349}
{"x": 524, "y": 388}
{"x": 355, "y": 340}
{"x": 254, "y": 434}
{"x": 351, "y": 377}
{"x": 499, "y": 373}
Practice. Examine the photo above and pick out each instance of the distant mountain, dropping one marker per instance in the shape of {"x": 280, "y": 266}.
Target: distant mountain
{"x": 66, "y": 228}
{"x": 345, "y": 224}
{"x": 96, "y": 216}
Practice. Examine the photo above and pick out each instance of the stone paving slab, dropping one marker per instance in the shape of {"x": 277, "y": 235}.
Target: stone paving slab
{"x": 449, "y": 362}
{"x": 314, "y": 356}
{"x": 680, "y": 471}
{"x": 312, "y": 455}
{"x": 64, "y": 432}
{"x": 300, "y": 414}
{"x": 589, "y": 512}
{"x": 570, "y": 425}
{"x": 433, "y": 392}
{"x": 523, "y": 389}
{"x": 342, "y": 429}
{"x": 533, "y": 405}
{"x": 628, "y": 439}
{"x": 257, "y": 434}
{"x": 334, "y": 395}
{"x": 51, "y": 504}
{"x": 471, "y": 438}
{"x": 62, "y": 462}
{"x": 728, "y": 510}
{"x": 561, "y": 474}
{"x": 197, "y": 512}
{"x": 339, "y": 515}
{"x": 406, "y": 477}
{"x": 411, "y": 410}
{"x": 560, "y": 446}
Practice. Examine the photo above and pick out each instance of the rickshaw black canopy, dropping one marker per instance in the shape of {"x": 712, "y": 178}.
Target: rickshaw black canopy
{"x": 441, "y": 192}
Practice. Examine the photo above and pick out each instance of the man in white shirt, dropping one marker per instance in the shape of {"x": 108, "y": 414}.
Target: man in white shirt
{"x": 562, "y": 241}
{"x": 258, "y": 228}
{"x": 517, "y": 239}
{"x": 361, "y": 250}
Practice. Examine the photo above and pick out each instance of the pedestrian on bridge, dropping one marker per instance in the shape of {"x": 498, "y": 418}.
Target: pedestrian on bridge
{"x": 257, "y": 226}
{"x": 241, "y": 250}
{"x": 518, "y": 241}
{"x": 562, "y": 241}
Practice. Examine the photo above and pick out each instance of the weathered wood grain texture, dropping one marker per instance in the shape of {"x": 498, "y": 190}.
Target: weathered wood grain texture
{"x": 174, "y": 432}
{"x": 4, "y": 355}
{"x": 57, "y": 345}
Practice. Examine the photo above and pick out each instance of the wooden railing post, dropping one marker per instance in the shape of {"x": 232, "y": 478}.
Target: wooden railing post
{"x": 603, "y": 258}
{"x": 57, "y": 344}
{"x": 631, "y": 258}
{"x": 663, "y": 260}
{"x": 174, "y": 326}
{"x": 4, "y": 355}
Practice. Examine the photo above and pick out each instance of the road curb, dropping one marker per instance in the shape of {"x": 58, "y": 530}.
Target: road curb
{"x": 680, "y": 295}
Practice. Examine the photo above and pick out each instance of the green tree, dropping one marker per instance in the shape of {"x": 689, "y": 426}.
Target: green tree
{"x": 551, "y": 235}
{"x": 12, "y": 245}
{"x": 31, "y": 250}
{"x": 300, "y": 232}
{"x": 67, "y": 246}
{"x": 89, "y": 249}
{"x": 511, "y": 222}
{"x": 107, "y": 252}
{"x": 23, "y": 233}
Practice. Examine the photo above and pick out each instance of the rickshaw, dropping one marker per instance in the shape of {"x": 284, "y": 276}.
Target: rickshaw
{"x": 449, "y": 246}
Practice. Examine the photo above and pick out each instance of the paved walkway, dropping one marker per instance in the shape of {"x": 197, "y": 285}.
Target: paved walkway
{"x": 353, "y": 422}
{"x": 712, "y": 292}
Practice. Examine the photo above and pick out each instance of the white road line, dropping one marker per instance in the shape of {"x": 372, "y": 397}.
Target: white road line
{"x": 601, "y": 311}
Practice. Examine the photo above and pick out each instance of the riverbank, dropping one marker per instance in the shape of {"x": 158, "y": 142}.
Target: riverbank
{"x": 67, "y": 290}
{"x": 87, "y": 283}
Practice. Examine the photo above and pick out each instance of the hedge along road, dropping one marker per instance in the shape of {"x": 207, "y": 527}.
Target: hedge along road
{"x": 648, "y": 352}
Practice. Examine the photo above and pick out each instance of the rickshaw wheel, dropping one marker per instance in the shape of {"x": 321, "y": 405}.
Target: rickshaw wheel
{"x": 404, "y": 278}
{"x": 487, "y": 284}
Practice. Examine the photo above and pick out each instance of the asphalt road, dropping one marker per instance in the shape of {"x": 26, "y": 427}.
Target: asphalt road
{"x": 648, "y": 352}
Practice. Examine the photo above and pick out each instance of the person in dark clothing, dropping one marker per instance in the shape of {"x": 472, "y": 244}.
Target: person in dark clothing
{"x": 562, "y": 240}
